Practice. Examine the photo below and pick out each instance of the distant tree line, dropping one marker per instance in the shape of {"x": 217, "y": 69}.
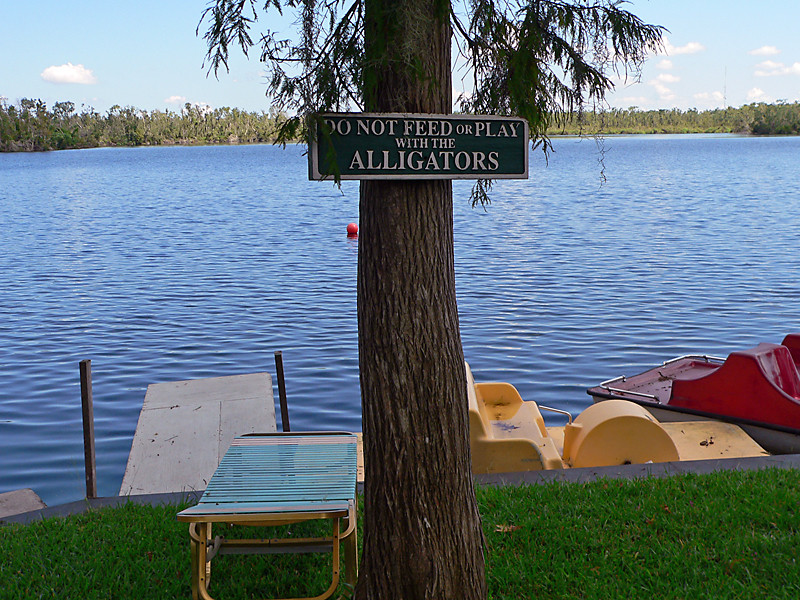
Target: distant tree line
{"x": 30, "y": 126}
{"x": 758, "y": 119}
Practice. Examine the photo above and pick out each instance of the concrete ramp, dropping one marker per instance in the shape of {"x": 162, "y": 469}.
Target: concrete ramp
{"x": 19, "y": 501}
{"x": 185, "y": 427}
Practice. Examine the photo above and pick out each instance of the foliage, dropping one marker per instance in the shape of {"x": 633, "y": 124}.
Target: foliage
{"x": 30, "y": 126}
{"x": 548, "y": 60}
{"x": 776, "y": 119}
{"x": 317, "y": 70}
{"x": 722, "y": 535}
{"x": 758, "y": 119}
{"x": 543, "y": 60}
{"x": 539, "y": 59}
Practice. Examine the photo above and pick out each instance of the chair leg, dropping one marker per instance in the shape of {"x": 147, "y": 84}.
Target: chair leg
{"x": 334, "y": 560}
{"x": 351, "y": 552}
{"x": 198, "y": 536}
{"x": 208, "y": 562}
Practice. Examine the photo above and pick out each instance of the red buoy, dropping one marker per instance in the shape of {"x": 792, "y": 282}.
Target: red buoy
{"x": 352, "y": 230}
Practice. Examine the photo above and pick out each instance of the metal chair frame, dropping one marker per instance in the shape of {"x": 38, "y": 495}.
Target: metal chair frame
{"x": 279, "y": 479}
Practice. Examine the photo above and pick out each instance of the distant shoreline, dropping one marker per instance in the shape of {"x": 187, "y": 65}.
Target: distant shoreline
{"x": 30, "y": 126}
{"x": 585, "y": 134}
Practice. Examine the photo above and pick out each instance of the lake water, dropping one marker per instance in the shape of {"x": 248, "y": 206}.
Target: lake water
{"x": 163, "y": 264}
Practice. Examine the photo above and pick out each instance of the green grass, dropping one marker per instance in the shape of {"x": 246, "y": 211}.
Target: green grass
{"x": 724, "y": 535}
{"x": 142, "y": 552}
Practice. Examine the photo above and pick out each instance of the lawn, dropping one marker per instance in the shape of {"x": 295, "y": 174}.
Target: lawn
{"x": 724, "y": 535}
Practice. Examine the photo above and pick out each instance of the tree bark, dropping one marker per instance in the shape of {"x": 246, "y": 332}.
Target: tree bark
{"x": 422, "y": 528}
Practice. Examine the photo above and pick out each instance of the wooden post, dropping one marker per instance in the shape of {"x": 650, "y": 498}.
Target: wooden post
{"x": 282, "y": 390}
{"x": 88, "y": 428}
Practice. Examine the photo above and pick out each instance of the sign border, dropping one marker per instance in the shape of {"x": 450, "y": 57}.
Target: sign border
{"x": 313, "y": 161}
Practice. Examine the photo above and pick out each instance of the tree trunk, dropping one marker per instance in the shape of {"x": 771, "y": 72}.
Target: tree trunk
{"x": 422, "y": 528}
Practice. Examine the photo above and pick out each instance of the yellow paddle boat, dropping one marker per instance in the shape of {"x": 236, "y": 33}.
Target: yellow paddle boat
{"x": 508, "y": 434}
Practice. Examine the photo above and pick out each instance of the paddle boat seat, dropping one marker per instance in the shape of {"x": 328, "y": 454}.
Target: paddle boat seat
{"x": 506, "y": 433}
{"x": 760, "y": 385}
{"x": 792, "y": 342}
{"x": 278, "y": 479}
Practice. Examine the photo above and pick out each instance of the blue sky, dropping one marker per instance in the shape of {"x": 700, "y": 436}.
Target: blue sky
{"x": 146, "y": 54}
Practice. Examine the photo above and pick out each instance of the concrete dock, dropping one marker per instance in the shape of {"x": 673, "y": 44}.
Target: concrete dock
{"x": 19, "y": 501}
{"x": 185, "y": 427}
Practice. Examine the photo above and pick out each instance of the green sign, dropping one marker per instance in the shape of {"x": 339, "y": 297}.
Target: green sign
{"x": 417, "y": 146}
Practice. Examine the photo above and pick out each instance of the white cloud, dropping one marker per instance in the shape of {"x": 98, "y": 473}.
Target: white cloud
{"x": 765, "y": 51}
{"x": 690, "y": 48}
{"x": 664, "y": 93}
{"x": 716, "y": 96}
{"x": 758, "y": 95}
{"x": 664, "y": 65}
{"x": 635, "y": 100}
{"x": 770, "y": 68}
{"x": 769, "y": 65}
{"x": 175, "y": 100}
{"x": 69, "y": 73}
{"x": 667, "y": 78}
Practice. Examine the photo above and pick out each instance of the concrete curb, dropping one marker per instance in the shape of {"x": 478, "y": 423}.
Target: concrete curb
{"x": 85, "y": 505}
{"x": 585, "y": 475}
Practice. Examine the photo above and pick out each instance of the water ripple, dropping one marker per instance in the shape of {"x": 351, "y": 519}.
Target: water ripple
{"x": 164, "y": 264}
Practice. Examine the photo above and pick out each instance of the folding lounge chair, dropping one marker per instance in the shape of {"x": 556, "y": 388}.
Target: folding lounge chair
{"x": 278, "y": 479}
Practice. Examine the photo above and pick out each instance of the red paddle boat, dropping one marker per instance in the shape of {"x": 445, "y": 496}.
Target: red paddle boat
{"x": 757, "y": 389}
